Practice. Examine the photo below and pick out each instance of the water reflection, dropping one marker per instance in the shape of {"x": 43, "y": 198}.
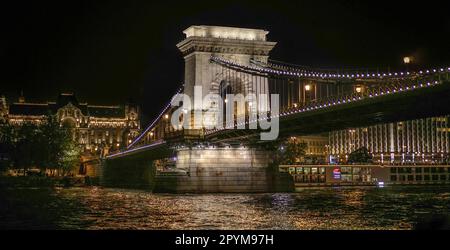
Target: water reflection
{"x": 101, "y": 208}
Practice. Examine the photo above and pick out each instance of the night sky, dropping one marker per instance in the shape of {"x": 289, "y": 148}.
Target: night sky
{"x": 107, "y": 52}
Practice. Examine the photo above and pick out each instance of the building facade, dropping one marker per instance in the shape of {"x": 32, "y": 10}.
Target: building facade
{"x": 98, "y": 129}
{"x": 317, "y": 148}
{"x": 417, "y": 141}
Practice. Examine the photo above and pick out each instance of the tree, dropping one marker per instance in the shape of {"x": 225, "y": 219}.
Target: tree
{"x": 60, "y": 151}
{"x": 291, "y": 151}
{"x": 47, "y": 146}
{"x": 7, "y": 134}
{"x": 26, "y": 153}
{"x": 361, "y": 155}
{"x": 7, "y": 143}
{"x": 70, "y": 157}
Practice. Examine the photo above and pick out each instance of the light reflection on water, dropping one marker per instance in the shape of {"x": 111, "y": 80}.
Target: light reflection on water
{"x": 327, "y": 208}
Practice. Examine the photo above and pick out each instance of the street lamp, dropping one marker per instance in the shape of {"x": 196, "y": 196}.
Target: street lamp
{"x": 407, "y": 60}
{"x": 306, "y": 89}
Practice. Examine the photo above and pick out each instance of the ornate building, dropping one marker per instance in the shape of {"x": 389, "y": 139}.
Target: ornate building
{"x": 98, "y": 129}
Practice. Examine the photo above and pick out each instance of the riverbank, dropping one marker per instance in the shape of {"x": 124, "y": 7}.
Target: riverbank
{"x": 46, "y": 181}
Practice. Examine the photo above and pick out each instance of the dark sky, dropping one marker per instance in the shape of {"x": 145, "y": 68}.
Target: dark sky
{"x": 109, "y": 51}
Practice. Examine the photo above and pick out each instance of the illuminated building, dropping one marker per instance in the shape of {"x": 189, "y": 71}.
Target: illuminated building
{"x": 416, "y": 141}
{"x": 96, "y": 128}
{"x": 317, "y": 146}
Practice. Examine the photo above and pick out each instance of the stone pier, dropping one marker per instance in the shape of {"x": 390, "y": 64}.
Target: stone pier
{"x": 228, "y": 170}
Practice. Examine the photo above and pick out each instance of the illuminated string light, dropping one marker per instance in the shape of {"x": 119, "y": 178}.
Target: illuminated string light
{"x": 135, "y": 149}
{"x": 268, "y": 69}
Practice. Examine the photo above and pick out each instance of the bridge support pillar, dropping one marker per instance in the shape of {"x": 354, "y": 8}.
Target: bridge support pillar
{"x": 228, "y": 170}
{"x": 128, "y": 173}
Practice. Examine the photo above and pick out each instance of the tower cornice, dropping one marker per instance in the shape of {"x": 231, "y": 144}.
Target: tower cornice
{"x": 224, "y": 45}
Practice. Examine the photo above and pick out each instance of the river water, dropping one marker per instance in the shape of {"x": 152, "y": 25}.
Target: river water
{"x": 324, "y": 208}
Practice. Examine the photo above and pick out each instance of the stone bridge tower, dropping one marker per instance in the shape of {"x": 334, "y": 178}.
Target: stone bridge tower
{"x": 220, "y": 169}
{"x": 202, "y": 42}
